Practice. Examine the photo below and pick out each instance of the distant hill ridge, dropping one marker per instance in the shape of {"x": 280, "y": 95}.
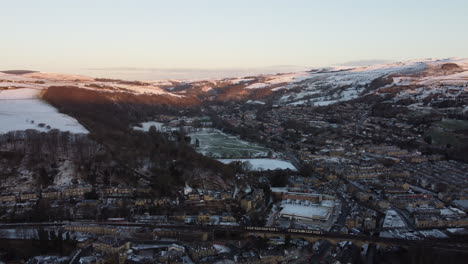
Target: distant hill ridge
{"x": 18, "y": 72}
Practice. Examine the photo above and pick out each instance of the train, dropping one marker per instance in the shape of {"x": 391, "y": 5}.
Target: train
{"x": 122, "y": 222}
{"x": 288, "y": 230}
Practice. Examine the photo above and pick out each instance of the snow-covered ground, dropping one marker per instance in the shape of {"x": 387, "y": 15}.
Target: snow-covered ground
{"x": 318, "y": 87}
{"x": 57, "y": 76}
{"x": 20, "y": 94}
{"x": 393, "y": 220}
{"x": 458, "y": 230}
{"x": 239, "y": 80}
{"x": 286, "y": 79}
{"x": 255, "y": 102}
{"x": 21, "y": 109}
{"x": 221, "y": 249}
{"x": 43, "y": 80}
{"x": 135, "y": 89}
{"x": 66, "y": 174}
{"x": 146, "y": 126}
{"x": 264, "y": 164}
{"x": 413, "y": 235}
{"x": 342, "y": 84}
{"x": 215, "y": 143}
{"x": 433, "y": 233}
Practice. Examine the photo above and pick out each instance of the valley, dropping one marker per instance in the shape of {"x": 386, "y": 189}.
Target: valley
{"x": 370, "y": 154}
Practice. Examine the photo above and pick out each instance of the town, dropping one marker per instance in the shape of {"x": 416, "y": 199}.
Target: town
{"x": 324, "y": 175}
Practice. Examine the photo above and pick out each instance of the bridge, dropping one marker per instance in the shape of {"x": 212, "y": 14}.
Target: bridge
{"x": 310, "y": 235}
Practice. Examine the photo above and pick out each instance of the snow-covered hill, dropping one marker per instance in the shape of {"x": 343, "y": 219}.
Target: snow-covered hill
{"x": 21, "y": 108}
{"x": 327, "y": 86}
{"x": 336, "y": 85}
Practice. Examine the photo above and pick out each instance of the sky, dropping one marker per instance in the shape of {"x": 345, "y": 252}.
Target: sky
{"x": 64, "y": 36}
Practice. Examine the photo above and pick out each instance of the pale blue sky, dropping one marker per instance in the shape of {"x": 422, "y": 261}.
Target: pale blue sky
{"x": 59, "y": 35}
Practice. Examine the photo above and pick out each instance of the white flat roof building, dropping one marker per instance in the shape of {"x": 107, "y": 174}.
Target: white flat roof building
{"x": 311, "y": 213}
{"x": 327, "y": 203}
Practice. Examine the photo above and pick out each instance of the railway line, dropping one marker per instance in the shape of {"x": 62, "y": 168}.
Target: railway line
{"x": 442, "y": 243}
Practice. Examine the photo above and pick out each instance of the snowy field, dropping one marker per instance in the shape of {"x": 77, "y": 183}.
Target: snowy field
{"x": 214, "y": 143}
{"x": 20, "y": 109}
{"x": 284, "y": 78}
{"x": 264, "y": 164}
{"x": 343, "y": 84}
{"x": 146, "y": 126}
{"x": 227, "y": 148}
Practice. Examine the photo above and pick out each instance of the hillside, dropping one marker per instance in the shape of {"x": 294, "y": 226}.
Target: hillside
{"x": 108, "y": 109}
{"x": 81, "y": 128}
{"x": 417, "y": 84}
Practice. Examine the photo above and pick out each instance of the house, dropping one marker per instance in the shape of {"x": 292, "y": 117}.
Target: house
{"x": 28, "y": 196}
{"x": 142, "y": 202}
{"x": 227, "y": 218}
{"x": 204, "y": 217}
{"x": 78, "y": 191}
{"x": 117, "y": 192}
{"x": 247, "y": 203}
{"x": 8, "y": 199}
{"x": 51, "y": 194}
{"x": 110, "y": 245}
{"x": 99, "y": 230}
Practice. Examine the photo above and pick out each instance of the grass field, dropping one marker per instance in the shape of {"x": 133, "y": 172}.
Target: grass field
{"x": 216, "y": 144}
{"x": 264, "y": 164}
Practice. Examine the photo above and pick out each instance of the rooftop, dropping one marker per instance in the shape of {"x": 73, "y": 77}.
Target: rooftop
{"x": 307, "y": 212}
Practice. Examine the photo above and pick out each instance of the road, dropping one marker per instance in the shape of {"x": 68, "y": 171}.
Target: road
{"x": 345, "y": 210}
{"x": 293, "y": 159}
{"x": 405, "y": 217}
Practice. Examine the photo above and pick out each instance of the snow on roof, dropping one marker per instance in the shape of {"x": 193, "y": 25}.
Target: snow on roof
{"x": 461, "y": 203}
{"x": 279, "y": 189}
{"x": 309, "y": 212}
{"x": 149, "y": 246}
{"x": 221, "y": 248}
{"x": 327, "y": 203}
{"x": 255, "y": 102}
{"x": 457, "y": 230}
{"x": 393, "y": 219}
{"x": 187, "y": 190}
